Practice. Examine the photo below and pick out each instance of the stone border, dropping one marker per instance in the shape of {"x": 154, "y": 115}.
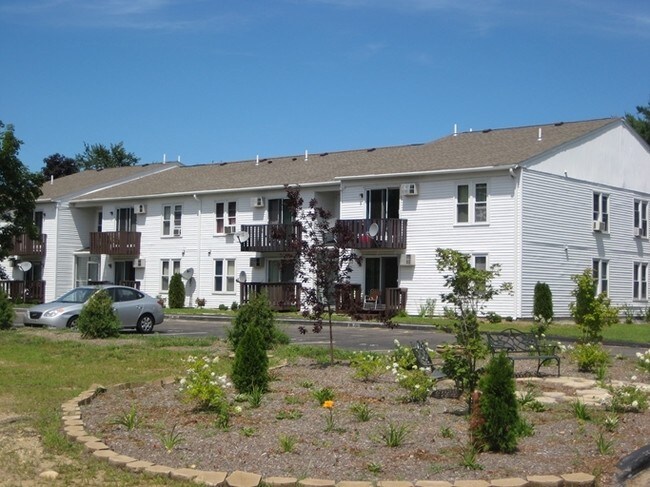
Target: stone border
{"x": 73, "y": 426}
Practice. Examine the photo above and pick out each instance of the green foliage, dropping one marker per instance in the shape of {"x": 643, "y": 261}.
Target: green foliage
{"x": 543, "y": 301}
{"x": 493, "y": 317}
{"x": 98, "y": 318}
{"x": 171, "y": 439}
{"x": 498, "y": 405}
{"x": 428, "y": 309}
{"x": 402, "y": 356}
{"x": 203, "y": 385}
{"x": 368, "y": 366}
{"x": 580, "y": 411}
{"x": 57, "y": 166}
{"x": 418, "y": 383}
{"x": 7, "y": 313}
{"x": 19, "y": 188}
{"x": 361, "y": 411}
{"x": 628, "y": 399}
{"x": 643, "y": 360}
{"x": 256, "y": 313}
{"x": 590, "y": 312}
{"x": 590, "y": 356}
{"x": 234, "y": 306}
{"x": 287, "y": 443}
{"x": 250, "y": 369}
{"x": 323, "y": 394}
{"x": 98, "y": 156}
{"x": 176, "y": 292}
{"x": 129, "y": 420}
{"x": 394, "y": 435}
{"x": 640, "y": 123}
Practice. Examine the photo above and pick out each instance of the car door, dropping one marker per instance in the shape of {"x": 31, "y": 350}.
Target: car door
{"x": 127, "y": 304}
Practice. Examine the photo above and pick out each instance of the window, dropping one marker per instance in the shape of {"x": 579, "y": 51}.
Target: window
{"x": 226, "y": 214}
{"x": 600, "y": 271}
{"x": 601, "y": 212}
{"x": 125, "y": 220}
{"x": 382, "y": 203}
{"x": 479, "y": 261}
{"x": 100, "y": 219}
{"x": 641, "y": 218}
{"x": 169, "y": 268}
{"x": 172, "y": 215}
{"x": 640, "y": 289}
{"x": 279, "y": 211}
{"x": 224, "y": 275}
{"x": 471, "y": 203}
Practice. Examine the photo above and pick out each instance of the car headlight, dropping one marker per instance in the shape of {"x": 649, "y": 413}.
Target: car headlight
{"x": 53, "y": 312}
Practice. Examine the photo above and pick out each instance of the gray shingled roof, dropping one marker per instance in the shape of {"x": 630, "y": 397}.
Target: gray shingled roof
{"x": 86, "y": 181}
{"x": 466, "y": 150}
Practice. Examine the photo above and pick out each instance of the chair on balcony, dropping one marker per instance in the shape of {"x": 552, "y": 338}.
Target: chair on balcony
{"x": 373, "y": 301}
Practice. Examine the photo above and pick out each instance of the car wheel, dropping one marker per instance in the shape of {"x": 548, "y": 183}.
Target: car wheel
{"x": 145, "y": 324}
{"x": 72, "y": 322}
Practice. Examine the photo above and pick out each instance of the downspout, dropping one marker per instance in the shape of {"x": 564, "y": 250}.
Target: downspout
{"x": 516, "y": 173}
{"x": 198, "y": 273}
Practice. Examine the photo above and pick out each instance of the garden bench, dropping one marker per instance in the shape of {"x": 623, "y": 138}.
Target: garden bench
{"x": 519, "y": 345}
{"x": 423, "y": 359}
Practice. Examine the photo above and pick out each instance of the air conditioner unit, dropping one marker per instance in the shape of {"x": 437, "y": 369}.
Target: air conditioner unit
{"x": 409, "y": 189}
{"x": 407, "y": 259}
{"x": 139, "y": 263}
{"x": 139, "y": 209}
{"x": 257, "y": 202}
{"x": 598, "y": 226}
{"x": 230, "y": 229}
{"x": 638, "y": 231}
{"x": 177, "y": 232}
{"x": 257, "y": 262}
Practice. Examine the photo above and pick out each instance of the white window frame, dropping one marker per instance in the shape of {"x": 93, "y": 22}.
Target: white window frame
{"x": 225, "y": 279}
{"x": 168, "y": 267}
{"x": 641, "y": 217}
{"x": 640, "y": 281}
{"x": 476, "y": 204}
{"x": 172, "y": 224}
{"x": 226, "y": 218}
{"x": 600, "y": 207}
{"x": 473, "y": 261}
{"x": 600, "y": 270}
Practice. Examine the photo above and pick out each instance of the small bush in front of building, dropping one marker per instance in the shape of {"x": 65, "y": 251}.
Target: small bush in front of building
{"x": 250, "y": 369}
{"x": 256, "y": 313}
{"x": 98, "y": 318}
{"x": 543, "y": 301}
{"x": 7, "y": 314}
{"x": 590, "y": 356}
{"x": 234, "y": 306}
{"x": 176, "y": 292}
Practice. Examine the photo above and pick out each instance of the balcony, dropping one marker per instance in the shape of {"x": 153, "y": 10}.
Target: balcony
{"x": 283, "y": 296}
{"x": 274, "y": 237}
{"x": 24, "y": 246}
{"x": 115, "y": 243}
{"x": 24, "y": 291}
{"x": 391, "y": 233}
{"x": 387, "y": 303}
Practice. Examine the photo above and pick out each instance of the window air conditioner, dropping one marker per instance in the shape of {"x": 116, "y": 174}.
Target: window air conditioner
{"x": 139, "y": 263}
{"x": 139, "y": 209}
{"x": 177, "y": 232}
{"x": 638, "y": 231}
{"x": 257, "y": 262}
{"x": 598, "y": 226}
{"x": 409, "y": 189}
{"x": 230, "y": 229}
{"x": 257, "y": 202}
{"x": 407, "y": 259}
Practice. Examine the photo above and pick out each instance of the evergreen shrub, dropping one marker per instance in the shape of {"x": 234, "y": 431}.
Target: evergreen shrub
{"x": 250, "y": 369}
{"x": 7, "y": 314}
{"x": 176, "y": 292}
{"x": 98, "y": 318}
{"x": 256, "y": 313}
{"x": 543, "y": 301}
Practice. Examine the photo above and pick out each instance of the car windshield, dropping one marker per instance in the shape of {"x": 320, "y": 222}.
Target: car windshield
{"x": 79, "y": 295}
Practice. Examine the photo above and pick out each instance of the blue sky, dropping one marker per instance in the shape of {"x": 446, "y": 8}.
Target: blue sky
{"x": 225, "y": 80}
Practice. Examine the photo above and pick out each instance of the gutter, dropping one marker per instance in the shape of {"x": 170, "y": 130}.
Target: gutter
{"x": 430, "y": 172}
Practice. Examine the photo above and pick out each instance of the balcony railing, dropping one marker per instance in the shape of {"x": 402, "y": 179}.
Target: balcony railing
{"x": 390, "y": 233}
{"x": 283, "y": 296}
{"x": 24, "y": 246}
{"x": 24, "y": 291}
{"x": 273, "y": 237}
{"x": 133, "y": 284}
{"x": 115, "y": 243}
{"x": 389, "y": 301}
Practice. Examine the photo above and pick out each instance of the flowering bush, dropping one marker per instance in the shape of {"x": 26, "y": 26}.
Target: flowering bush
{"x": 418, "y": 382}
{"x": 403, "y": 356}
{"x": 590, "y": 356}
{"x": 644, "y": 360}
{"x": 628, "y": 399}
{"x": 203, "y": 384}
{"x": 368, "y": 366}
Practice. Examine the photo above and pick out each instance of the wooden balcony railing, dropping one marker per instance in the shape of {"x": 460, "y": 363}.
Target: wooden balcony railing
{"x": 283, "y": 296}
{"x": 24, "y": 246}
{"x": 350, "y": 300}
{"x": 133, "y": 284}
{"x": 115, "y": 243}
{"x": 391, "y": 233}
{"x": 24, "y": 291}
{"x": 273, "y": 237}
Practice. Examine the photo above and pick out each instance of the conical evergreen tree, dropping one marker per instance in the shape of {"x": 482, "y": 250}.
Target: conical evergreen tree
{"x": 250, "y": 369}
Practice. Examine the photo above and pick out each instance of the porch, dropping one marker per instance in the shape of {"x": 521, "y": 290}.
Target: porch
{"x": 377, "y": 303}
{"x": 24, "y": 291}
{"x": 24, "y": 246}
{"x": 273, "y": 237}
{"x": 372, "y": 233}
{"x": 283, "y": 296}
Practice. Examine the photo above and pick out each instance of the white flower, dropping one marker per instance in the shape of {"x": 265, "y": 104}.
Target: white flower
{"x": 238, "y": 409}
{"x": 183, "y": 381}
{"x": 396, "y": 342}
{"x": 635, "y": 404}
{"x": 633, "y": 377}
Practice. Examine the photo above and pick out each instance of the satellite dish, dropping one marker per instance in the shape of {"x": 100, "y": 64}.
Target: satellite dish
{"x": 242, "y": 236}
{"x": 25, "y": 266}
{"x": 190, "y": 286}
{"x": 188, "y": 273}
{"x": 373, "y": 230}
{"x": 242, "y": 276}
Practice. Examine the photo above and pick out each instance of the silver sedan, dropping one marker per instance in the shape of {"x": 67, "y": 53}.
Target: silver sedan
{"x": 134, "y": 308}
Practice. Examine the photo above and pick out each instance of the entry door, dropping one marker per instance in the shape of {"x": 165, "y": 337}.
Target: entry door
{"x": 125, "y": 220}
{"x": 124, "y": 271}
{"x": 279, "y": 211}
{"x": 87, "y": 269}
{"x": 280, "y": 270}
{"x": 381, "y": 273}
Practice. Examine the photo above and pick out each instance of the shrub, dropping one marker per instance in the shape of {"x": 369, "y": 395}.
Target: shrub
{"x": 176, "y": 292}
{"x": 250, "y": 369}
{"x": 590, "y": 356}
{"x": 98, "y": 318}
{"x": 418, "y": 383}
{"x": 498, "y": 404}
{"x": 543, "y": 301}
{"x": 643, "y": 360}
{"x": 403, "y": 356}
{"x": 493, "y": 317}
{"x": 368, "y": 366}
{"x": 256, "y": 313}
{"x": 234, "y": 306}
{"x": 203, "y": 384}
{"x": 628, "y": 399}
{"x": 590, "y": 312}
{"x": 7, "y": 314}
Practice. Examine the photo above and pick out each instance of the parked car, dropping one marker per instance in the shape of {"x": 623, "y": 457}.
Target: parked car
{"x": 134, "y": 308}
